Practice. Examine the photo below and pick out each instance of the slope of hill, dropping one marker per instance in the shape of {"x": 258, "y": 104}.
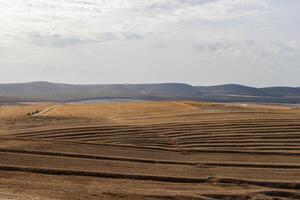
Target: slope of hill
{"x": 281, "y": 91}
{"x": 240, "y": 93}
{"x": 45, "y": 91}
{"x": 236, "y": 89}
{"x": 150, "y": 151}
{"x": 231, "y": 89}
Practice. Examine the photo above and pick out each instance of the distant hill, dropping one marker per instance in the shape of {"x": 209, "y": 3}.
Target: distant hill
{"x": 241, "y": 93}
{"x": 45, "y": 91}
{"x": 231, "y": 89}
{"x": 251, "y": 91}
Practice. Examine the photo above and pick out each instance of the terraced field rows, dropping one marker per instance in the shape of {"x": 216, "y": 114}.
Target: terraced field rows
{"x": 271, "y": 135}
{"x": 256, "y": 156}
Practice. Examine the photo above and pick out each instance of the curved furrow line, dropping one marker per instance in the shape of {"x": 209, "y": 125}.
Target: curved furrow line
{"x": 246, "y": 145}
{"x": 281, "y": 194}
{"x": 241, "y": 141}
{"x": 176, "y": 133}
{"x": 233, "y": 135}
{"x": 97, "y": 144}
{"x": 68, "y": 172}
{"x": 152, "y": 127}
{"x": 283, "y": 149}
{"x": 214, "y": 127}
{"x": 97, "y": 137}
{"x": 269, "y": 194}
{"x": 65, "y": 172}
{"x": 252, "y": 165}
{"x": 237, "y": 122}
{"x": 127, "y": 146}
{"x": 125, "y": 140}
{"x": 182, "y": 133}
{"x": 154, "y": 145}
{"x": 131, "y": 140}
{"x": 281, "y": 136}
{"x": 141, "y": 144}
{"x": 150, "y": 161}
{"x": 279, "y": 148}
{"x": 78, "y": 132}
{"x": 71, "y": 129}
{"x": 278, "y": 185}
{"x": 231, "y": 131}
{"x": 93, "y": 157}
{"x": 96, "y": 134}
{"x": 221, "y": 151}
{"x": 221, "y": 128}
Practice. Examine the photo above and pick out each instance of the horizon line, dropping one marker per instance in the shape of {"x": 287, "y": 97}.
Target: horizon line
{"x": 148, "y": 83}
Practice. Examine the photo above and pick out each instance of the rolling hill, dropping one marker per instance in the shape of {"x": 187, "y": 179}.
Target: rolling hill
{"x": 241, "y": 93}
{"x": 46, "y": 91}
{"x": 236, "y": 89}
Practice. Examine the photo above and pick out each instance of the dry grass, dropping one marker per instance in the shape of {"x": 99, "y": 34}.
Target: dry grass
{"x": 153, "y": 150}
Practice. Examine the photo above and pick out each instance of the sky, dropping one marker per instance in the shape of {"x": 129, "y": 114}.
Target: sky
{"x": 199, "y": 42}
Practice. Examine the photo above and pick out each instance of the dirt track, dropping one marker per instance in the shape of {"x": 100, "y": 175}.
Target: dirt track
{"x": 162, "y": 150}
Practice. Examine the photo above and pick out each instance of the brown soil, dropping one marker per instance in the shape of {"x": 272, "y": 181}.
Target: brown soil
{"x": 149, "y": 150}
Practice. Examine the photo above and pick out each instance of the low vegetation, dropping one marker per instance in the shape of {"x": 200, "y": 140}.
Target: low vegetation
{"x": 153, "y": 150}
{"x": 33, "y": 113}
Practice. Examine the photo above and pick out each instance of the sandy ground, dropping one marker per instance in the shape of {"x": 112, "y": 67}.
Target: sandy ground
{"x": 149, "y": 150}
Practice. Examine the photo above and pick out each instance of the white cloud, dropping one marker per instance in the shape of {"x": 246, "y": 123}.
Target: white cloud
{"x": 289, "y": 47}
{"x": 249, "y": 47}
{"x": 214, "y": 46}
{"x": 228, "y": 47}
{"x": 193, "y": 41}
{"x": 77, "y": 21}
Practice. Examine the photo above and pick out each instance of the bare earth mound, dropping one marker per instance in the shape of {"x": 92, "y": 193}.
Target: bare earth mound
{"x": 153, "y": 150}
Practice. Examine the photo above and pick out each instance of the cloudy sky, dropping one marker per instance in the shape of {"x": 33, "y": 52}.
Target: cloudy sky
{"x": 200, "y": 42}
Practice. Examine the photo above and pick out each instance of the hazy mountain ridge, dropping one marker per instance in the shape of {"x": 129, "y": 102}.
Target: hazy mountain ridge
{"x": 46, "y": 91}
{"x": 230, "y": 89}
{"x": 241, "y": 93}
{"x": 251, "y": 91}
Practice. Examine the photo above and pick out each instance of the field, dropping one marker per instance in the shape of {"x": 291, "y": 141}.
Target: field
{"x": 149, "y": 150}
